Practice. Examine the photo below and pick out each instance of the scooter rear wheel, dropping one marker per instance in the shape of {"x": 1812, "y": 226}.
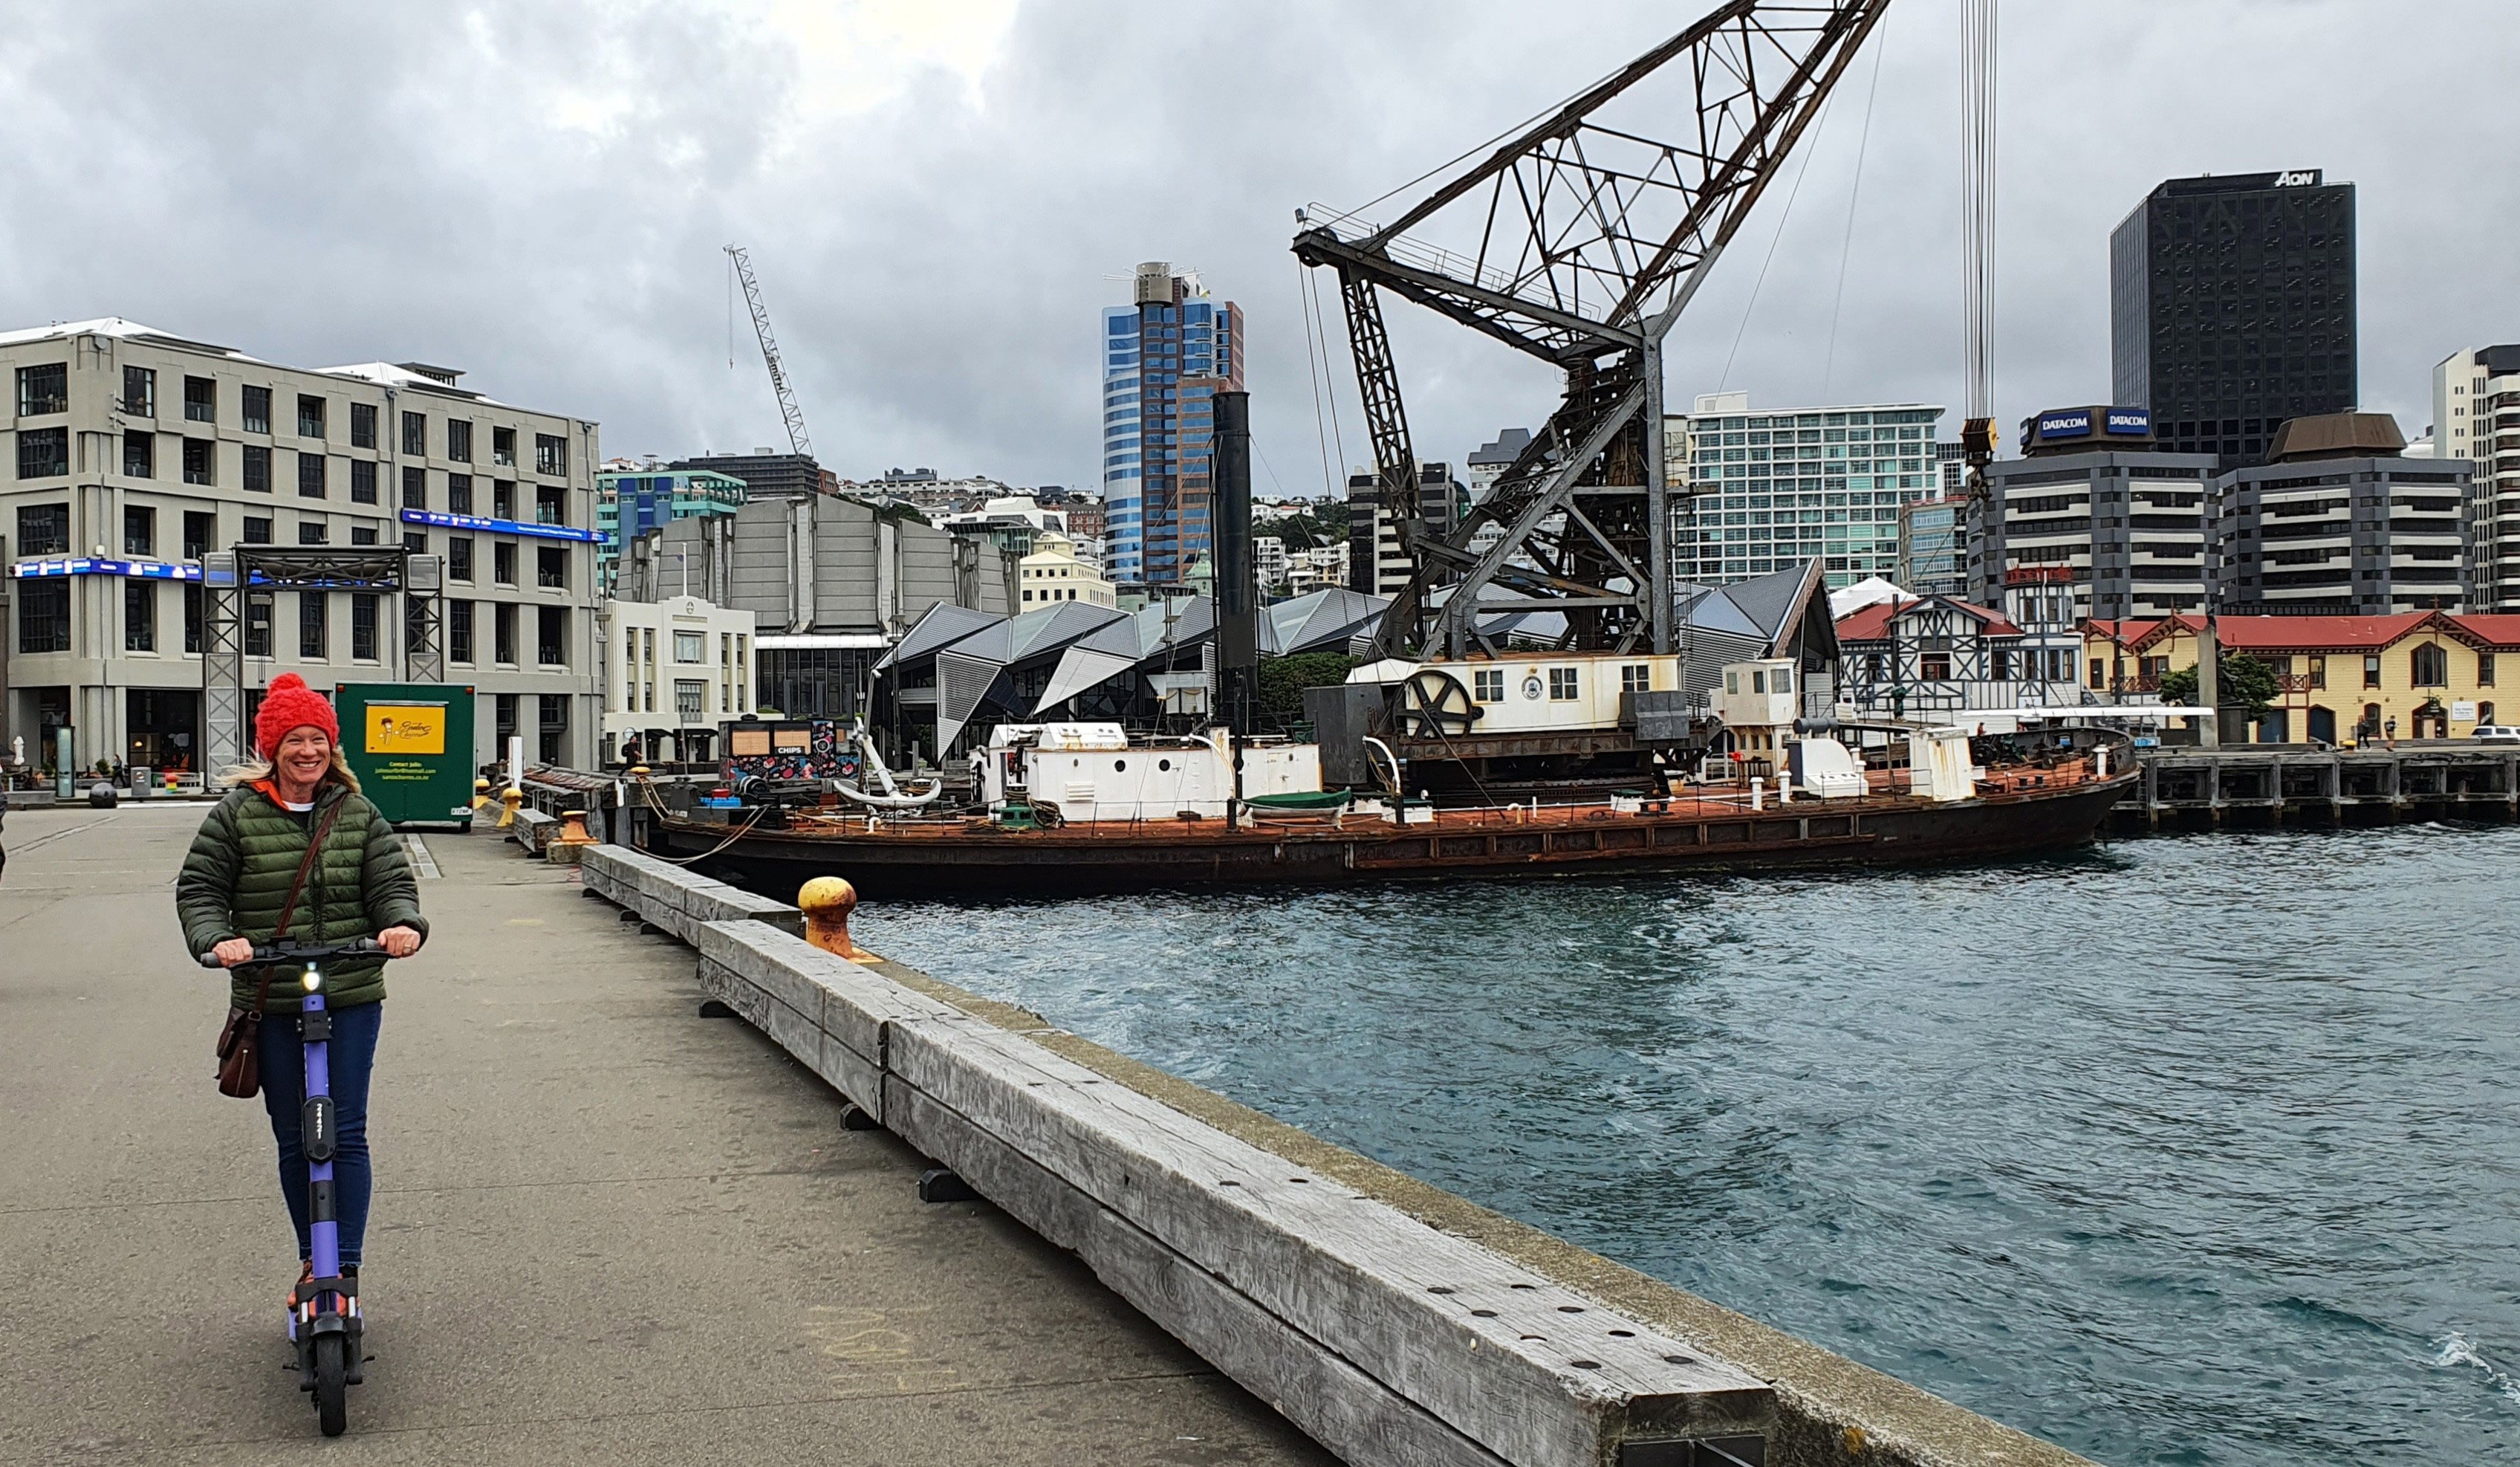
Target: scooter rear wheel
{"x": 331, "y": 1386}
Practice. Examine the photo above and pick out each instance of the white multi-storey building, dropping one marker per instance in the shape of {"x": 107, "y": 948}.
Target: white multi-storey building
{"x": 675, "y": 671}
{"x": 1312, "y": 569}
{"x": 1769, "y": 488}
{"x": 2476, "y": 416}
{"x": 1269, "y": 560}
{"x": 133, "y": 454}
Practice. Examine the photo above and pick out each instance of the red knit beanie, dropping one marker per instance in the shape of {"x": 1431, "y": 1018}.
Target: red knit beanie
{"x": 289, "y": 704}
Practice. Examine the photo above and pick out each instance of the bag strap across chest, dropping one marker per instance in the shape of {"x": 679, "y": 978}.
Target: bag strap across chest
{"x": 323, "y": 828}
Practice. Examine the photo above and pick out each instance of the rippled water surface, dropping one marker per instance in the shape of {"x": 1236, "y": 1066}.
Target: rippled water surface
{"x": 2187, "y": 1151}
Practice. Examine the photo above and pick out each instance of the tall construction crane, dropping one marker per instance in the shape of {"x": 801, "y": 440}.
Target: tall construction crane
{"x": 1977, "y": 237}
{"x": 1579, "y": 241}
{"x": 797, "y": 439}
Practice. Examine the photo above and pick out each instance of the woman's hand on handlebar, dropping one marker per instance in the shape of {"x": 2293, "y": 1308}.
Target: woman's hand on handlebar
{"x": 233, "y": 951}
{"x": 397, "y": 942}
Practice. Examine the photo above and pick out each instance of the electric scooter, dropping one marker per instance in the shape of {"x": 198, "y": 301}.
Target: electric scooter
{"x": 325, "y": 1325}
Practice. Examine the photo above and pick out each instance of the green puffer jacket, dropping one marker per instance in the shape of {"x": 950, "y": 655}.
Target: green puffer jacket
{"x": 237, "y": 873}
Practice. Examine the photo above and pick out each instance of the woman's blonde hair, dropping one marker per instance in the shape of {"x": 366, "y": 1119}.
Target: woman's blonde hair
{"x": 254, "y": 771}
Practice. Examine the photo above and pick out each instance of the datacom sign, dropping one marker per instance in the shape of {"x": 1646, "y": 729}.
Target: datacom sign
{"x": 2081, "y": 422}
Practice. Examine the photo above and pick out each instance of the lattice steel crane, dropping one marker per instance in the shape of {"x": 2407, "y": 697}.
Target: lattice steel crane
{"x": 1579, "y": 241}
{"x": 797, "y": 439}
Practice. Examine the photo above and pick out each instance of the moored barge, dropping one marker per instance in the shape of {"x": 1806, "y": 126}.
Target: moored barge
{"x": 2010, "y": 812}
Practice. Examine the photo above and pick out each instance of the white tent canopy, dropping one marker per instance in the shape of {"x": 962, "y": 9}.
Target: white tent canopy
{"x": 1872, "y": 590}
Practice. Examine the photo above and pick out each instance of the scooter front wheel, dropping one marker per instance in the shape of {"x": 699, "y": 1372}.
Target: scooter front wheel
{"x": 332, "y": 1384}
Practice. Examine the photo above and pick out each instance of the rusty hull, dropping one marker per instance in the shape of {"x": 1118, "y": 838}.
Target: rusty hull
{"x": 957, "y": 859}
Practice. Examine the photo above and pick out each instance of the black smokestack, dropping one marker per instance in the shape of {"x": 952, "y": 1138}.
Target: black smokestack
{"x": 1237, "y": 625}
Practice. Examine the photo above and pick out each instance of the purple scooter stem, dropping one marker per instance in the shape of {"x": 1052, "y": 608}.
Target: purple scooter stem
{"x": 324, "y": 1230}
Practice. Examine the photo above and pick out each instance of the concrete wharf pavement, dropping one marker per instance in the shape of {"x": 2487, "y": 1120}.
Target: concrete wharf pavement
{"x": 606, "y": 1230}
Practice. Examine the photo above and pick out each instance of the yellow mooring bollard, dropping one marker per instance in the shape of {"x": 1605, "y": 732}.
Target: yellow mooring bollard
{"x": 511, "y": 796}
{"x": 480, "y": 795}
{"x": 826, "y": 901}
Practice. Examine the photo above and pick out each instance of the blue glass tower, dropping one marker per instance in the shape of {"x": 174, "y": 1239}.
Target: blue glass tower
{"x": 1164, "y": 360}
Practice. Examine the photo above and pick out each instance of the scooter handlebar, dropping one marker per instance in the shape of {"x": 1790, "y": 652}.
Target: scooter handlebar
{"x": 294, "y": 952}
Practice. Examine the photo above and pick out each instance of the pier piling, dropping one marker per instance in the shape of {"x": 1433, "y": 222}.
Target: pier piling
{"x": 2279, "y": 785}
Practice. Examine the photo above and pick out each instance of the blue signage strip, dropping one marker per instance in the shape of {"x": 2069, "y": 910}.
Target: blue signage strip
{"x": 2135, "y": 421}
{"x": 2070, "y": 425}
{"x": 92, "y": 565}
{"x": 501, "y": 526}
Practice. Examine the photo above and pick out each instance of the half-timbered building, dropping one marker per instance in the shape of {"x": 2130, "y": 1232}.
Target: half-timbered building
{"x": 1938, "y": 655}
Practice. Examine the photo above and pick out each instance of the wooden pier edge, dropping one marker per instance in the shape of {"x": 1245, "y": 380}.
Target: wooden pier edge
{"x": 1108, "y": 1171}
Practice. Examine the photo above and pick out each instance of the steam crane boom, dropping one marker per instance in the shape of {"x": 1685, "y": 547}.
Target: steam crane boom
{"x": 1579, "y": 241}
{"x": 798, "y": 439}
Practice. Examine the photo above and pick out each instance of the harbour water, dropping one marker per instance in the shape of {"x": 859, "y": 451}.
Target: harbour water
{"x": 2180, "y": 1151}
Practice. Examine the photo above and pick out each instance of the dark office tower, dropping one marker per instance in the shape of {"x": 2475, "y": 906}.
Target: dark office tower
{"x": 2231, "y": 309}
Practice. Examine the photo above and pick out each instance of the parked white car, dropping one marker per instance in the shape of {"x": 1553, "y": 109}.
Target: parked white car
{"x": 2497, "y": 733}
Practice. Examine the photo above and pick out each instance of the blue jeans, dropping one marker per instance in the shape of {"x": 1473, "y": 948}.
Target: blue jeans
{"x": 352, "y": 1054}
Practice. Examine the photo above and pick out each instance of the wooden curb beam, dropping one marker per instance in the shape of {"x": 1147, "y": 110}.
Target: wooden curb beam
{"x": 674, "y": 898}
{"x": 1383, "y": 1338}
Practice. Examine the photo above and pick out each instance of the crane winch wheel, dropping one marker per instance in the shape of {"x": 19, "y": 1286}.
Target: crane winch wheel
{"x": 1434, "y": 705}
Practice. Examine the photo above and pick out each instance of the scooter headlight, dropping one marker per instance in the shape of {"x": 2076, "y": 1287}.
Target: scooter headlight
{"x": 313, "y": 979}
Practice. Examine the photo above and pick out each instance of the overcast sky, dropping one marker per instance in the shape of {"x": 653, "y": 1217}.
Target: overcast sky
{"x": 940, "y": 193}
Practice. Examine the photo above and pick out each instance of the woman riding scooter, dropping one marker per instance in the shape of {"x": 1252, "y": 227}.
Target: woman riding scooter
{"x": 242, "y": 874}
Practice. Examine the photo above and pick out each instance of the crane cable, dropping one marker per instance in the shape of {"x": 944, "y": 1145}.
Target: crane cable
{"x": 1330, "y": 385}
{"x": 1819, "y": 123}
{"x": 1846, "y": 245}
{"x": 1311, "y": 366}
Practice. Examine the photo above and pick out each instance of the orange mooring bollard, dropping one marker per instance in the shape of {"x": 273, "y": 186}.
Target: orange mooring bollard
{"x": 826, "y": 901}
{"x": 566, "y": 847}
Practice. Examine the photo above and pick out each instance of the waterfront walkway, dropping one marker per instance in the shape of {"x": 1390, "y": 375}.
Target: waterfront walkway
{"x": 606, "y": 1230}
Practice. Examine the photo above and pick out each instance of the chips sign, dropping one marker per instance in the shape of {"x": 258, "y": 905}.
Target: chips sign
{"x": 406, "y": 728}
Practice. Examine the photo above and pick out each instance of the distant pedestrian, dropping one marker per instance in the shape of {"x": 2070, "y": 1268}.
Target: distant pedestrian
{"x": 239, "y": 877}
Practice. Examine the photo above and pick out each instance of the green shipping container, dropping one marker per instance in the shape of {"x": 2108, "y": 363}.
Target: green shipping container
{"x": 411, "y": 745}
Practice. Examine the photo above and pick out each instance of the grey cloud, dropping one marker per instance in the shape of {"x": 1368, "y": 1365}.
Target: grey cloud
{"x": 321, "y": 184}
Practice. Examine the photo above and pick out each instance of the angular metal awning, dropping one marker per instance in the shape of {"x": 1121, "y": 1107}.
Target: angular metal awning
{"x": 1080, "y": 669}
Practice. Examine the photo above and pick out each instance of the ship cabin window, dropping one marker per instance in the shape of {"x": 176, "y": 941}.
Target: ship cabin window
{"x": 1563, "y": 684}
{"x": 1636, "y": 678}
{"x": 1487, "y": 684}
{"x": 1732, "y": 682}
